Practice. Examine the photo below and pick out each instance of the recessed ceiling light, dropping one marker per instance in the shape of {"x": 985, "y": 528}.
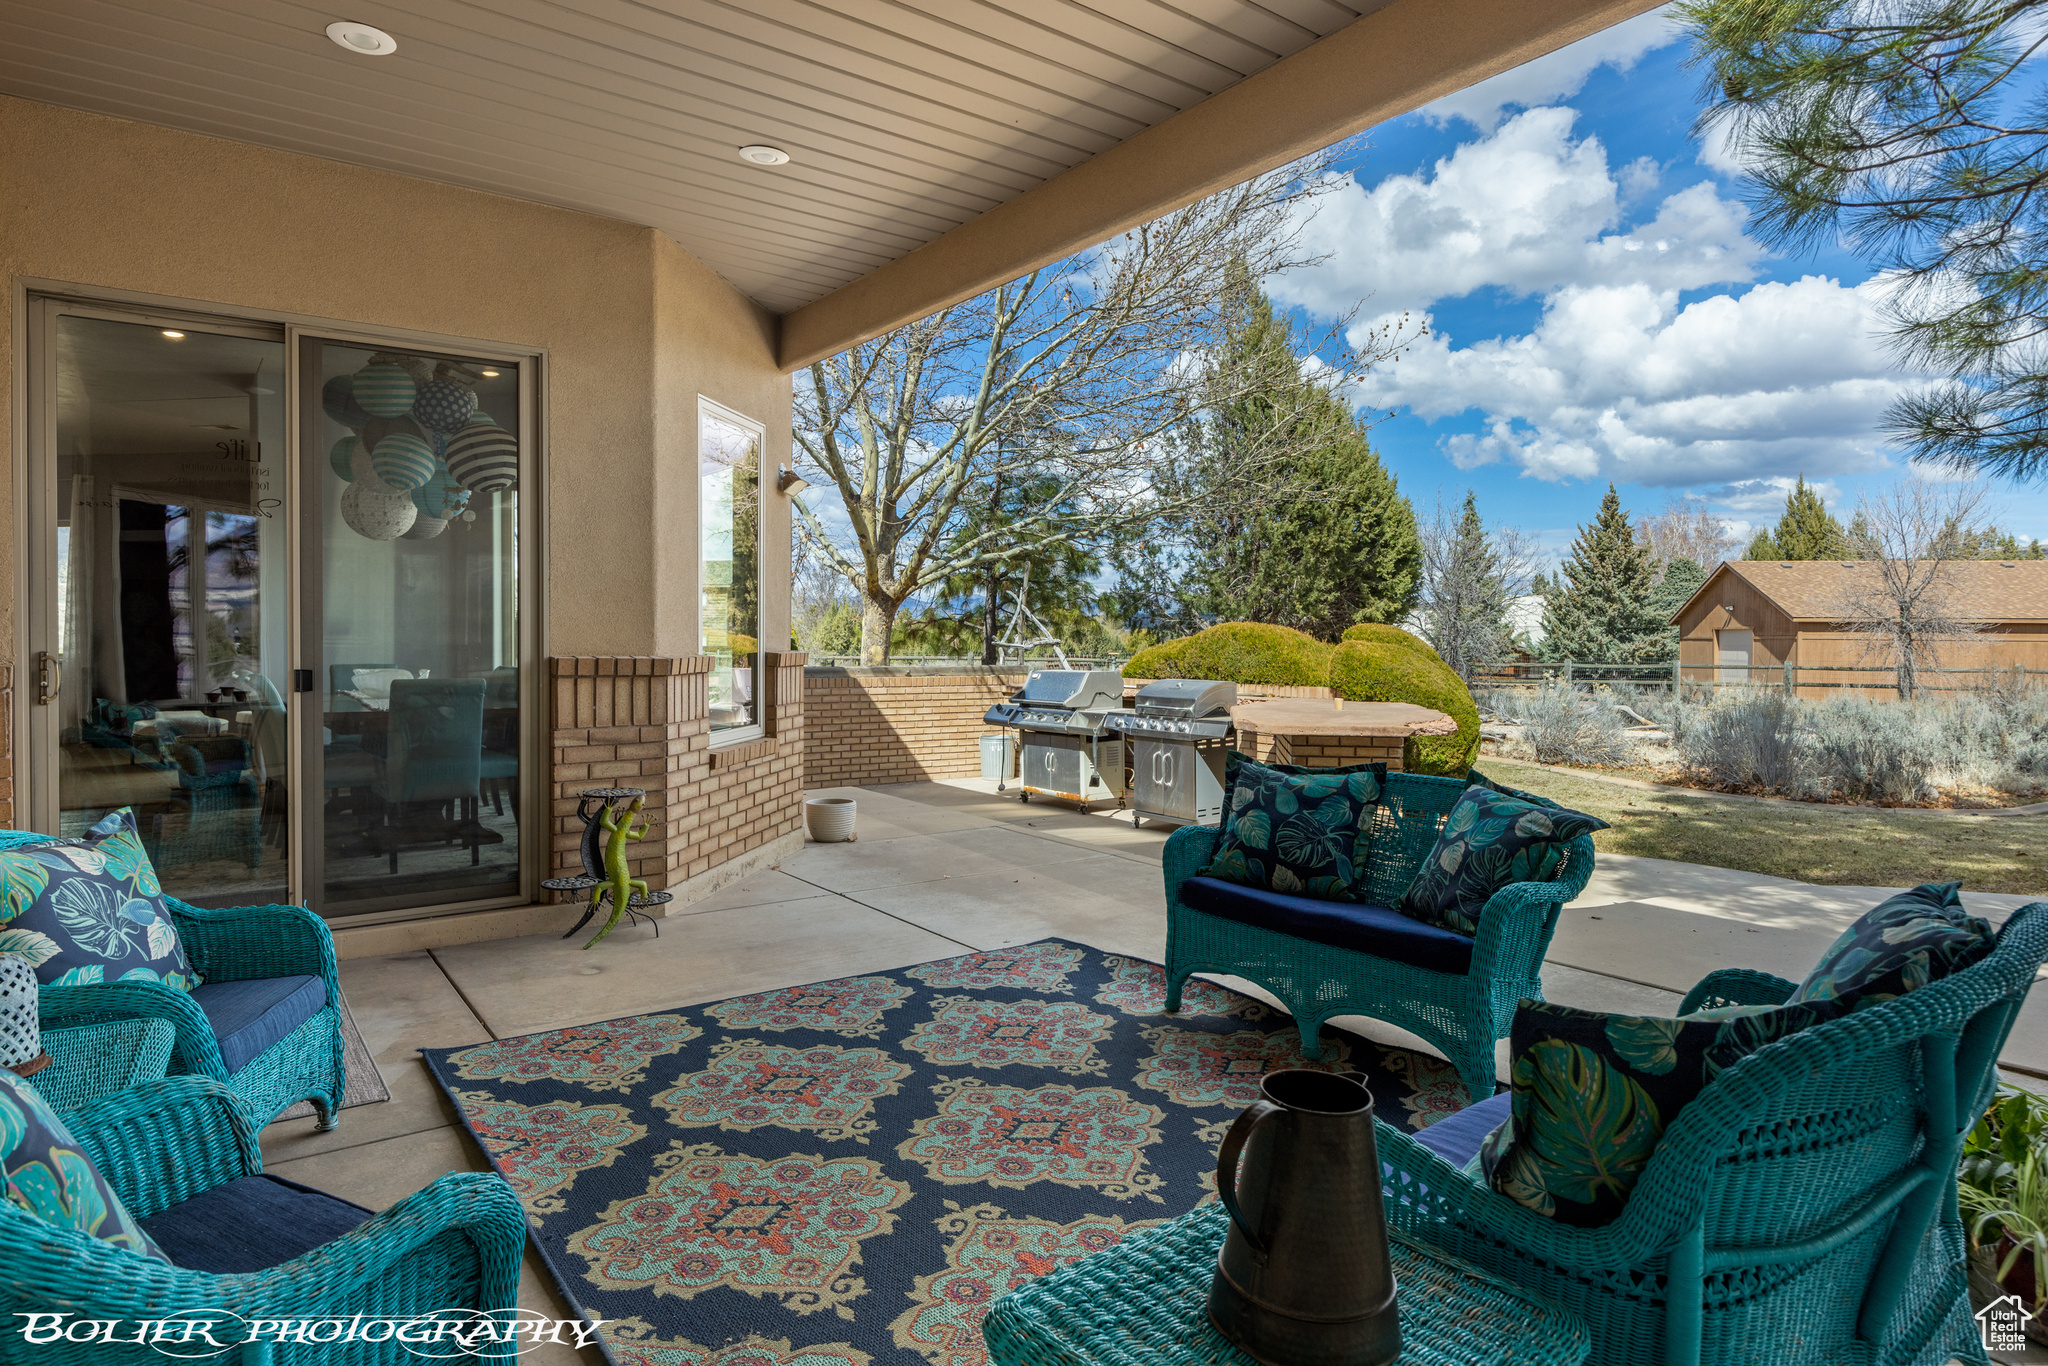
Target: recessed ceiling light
{"x": 764, "y": 156}
{"x": 490, "y": 374}
{"x": 174, "y": 336}
{"x": 361, "y": 38}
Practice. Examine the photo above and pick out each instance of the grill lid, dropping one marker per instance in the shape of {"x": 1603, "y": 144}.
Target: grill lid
{"x": 1082, "y": 689}
{"x": 1185, "y": 697}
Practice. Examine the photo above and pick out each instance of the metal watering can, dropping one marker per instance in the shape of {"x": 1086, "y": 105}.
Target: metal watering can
{"x": 1304, "y": 1277}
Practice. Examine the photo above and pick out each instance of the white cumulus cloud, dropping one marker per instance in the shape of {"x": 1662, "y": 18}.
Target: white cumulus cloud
{"x": 1556, "y": 75}
{"x": 1528, "y": 209}
{"x": 1621, "y": 382}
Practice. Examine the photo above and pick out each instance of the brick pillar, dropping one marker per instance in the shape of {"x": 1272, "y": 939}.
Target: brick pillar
{"x": 638, "y": 721}
{"x": 627, "y": 721}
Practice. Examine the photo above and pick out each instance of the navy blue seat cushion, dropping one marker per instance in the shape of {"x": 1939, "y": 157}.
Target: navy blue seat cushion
{"x": 248, "y": 1017}
{"x": 1377, "y": 930}
{"x": 251, "y": 1224}
{"x": 1456, "y": 1138}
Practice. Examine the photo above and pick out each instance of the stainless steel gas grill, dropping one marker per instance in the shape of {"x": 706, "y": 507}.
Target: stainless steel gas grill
{"x": 1064, "y": 750}
{"x": 1179, "y": 731}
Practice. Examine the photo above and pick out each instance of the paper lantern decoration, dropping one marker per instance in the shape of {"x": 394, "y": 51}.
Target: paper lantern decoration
{"x": 343, "y": 459}
{"x": 425, "y": 528}
{"x": 484, "y": 456}
{"x": 440, "y": 496}
{"x": 384, "y": 389}
{"x": 443, "y": 406}
{"x": 419, "y": 367}
{"x": 338, "y": 400}
{"x": 403, "y": 461}
{"x": 377, "y": 512}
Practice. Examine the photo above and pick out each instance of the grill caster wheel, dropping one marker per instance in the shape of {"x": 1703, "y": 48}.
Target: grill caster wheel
{"x": 1023, "y": 796}
{"x": 1134, "y": 820}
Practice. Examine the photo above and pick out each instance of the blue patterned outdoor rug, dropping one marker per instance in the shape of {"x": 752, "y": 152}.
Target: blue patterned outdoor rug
{"x": 846, "y": 1174}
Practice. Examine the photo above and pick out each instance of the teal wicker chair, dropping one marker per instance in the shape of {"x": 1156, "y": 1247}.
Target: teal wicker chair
{"x": 1801, "y": 1210}
{"x": 188, "y": 1141}
{"x": 265, "y": 968}
{"x": 1460, "y": 1012}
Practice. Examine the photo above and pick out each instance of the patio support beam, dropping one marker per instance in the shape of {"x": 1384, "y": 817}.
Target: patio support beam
{"x": 1393, "y": 60}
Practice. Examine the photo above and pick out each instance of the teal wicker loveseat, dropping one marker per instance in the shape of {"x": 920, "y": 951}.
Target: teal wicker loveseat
{"x": 188, "y": 1141}
{"x": 267, "y": 1021}
{"x": 1457, "y": 993}
{"x": 1801, "y": 1210}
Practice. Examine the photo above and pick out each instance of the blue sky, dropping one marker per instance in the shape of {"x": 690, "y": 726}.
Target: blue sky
{"x": 1597, "y": 311}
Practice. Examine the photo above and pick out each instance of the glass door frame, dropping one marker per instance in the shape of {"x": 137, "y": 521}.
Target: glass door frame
{"x": 37, "y": 305}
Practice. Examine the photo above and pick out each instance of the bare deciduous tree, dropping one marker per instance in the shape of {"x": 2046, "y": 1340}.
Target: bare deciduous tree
{"x": 1471, "y": 577}
{"x": 1901, "y": 600}
{"x": 1065, "y": 380}
{"x": 1686, "y": 530}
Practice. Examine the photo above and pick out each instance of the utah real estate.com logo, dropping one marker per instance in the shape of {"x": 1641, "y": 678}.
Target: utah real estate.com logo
{"x": 2004, "y": 1322}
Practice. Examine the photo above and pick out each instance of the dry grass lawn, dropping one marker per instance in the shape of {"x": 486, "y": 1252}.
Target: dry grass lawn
{"x": 1810, "y": 843}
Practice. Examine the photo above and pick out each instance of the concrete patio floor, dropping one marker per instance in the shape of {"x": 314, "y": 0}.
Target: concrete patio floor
{"x": 941, "y": 869}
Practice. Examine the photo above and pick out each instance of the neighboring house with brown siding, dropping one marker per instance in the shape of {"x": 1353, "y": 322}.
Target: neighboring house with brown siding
{"x": 1752, "y": 615}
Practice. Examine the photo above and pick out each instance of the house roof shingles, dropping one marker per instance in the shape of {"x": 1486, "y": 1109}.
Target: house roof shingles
{"x": 1980, "y": 590}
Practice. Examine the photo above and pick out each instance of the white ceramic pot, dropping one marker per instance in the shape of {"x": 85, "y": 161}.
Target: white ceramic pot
{"x": 20, "y": 1039}
{"x": 829, "y": 819}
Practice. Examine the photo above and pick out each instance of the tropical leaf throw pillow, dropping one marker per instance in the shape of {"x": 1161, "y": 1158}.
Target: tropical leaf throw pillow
{"x": 1593, "y": 1095}
{"x": 1303, "y": 831}
{"x": 49, "y": 1175}
{"x": 1897, "y": 946}
{"x": 1489, "y": 840}
{"x": 90, "y": 910}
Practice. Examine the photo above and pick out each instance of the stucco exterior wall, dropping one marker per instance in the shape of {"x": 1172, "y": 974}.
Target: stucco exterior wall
{"x": 634, "y": 328}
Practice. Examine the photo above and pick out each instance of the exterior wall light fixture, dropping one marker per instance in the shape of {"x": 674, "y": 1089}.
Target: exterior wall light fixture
{"x": 789, "y": 481}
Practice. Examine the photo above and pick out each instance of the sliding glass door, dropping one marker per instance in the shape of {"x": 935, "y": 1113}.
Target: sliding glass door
{"x": 412, "y": 473}
{"x": 274, "y": 608}
{"x": 165, "y": 660}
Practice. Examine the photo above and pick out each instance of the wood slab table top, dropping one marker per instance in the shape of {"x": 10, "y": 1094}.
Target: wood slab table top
{"x": 1313, "y": 716}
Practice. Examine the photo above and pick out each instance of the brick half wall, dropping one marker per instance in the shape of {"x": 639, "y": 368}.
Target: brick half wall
{"x": 640, "y": 721}
{"x": 886, "y": 725}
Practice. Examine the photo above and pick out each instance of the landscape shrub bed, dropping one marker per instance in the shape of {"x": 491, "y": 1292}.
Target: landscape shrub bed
{"x": 1934, "y": 750}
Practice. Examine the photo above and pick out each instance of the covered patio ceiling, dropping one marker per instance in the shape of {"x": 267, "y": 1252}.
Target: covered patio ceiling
{"x": 937, "y": 147}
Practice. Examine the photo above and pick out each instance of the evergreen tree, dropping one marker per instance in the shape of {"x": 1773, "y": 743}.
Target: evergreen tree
{"x": 972, "y": 606}
{"x": 1607, "y": 611}
{"x": 1762, "y": 546}
{"x": 1331, "y": 544}
{"x": 1682, "y": 578}
{"x": 1470, "y": 581}
{"x": 1807, "y": 531}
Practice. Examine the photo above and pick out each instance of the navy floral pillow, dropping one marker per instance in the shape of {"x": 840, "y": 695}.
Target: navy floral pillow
{"x": 1301, "y": 831}
{"x": 1489, "y": 840}
{"x": 90, "y": 910}
{"x": 49, "y": 1175}
{"x": 1897, "y": 946}
{"x": 1593, "y": 1095}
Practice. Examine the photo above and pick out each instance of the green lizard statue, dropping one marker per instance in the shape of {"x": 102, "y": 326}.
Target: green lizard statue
{"x": 619, "y": 882}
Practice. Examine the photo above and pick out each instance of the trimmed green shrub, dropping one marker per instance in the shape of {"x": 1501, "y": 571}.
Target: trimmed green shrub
{"x": 1361, "y": 671}
{"x": 1238, "y": 652}
{"x": 1379, "y": 633}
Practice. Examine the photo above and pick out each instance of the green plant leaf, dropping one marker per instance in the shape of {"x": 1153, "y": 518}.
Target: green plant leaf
{"x": 38, "y": 949}
{"x": 1593, "y": 1127}
{"x": 22, "y": 880}
{"x": 1645, "y": 1042}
